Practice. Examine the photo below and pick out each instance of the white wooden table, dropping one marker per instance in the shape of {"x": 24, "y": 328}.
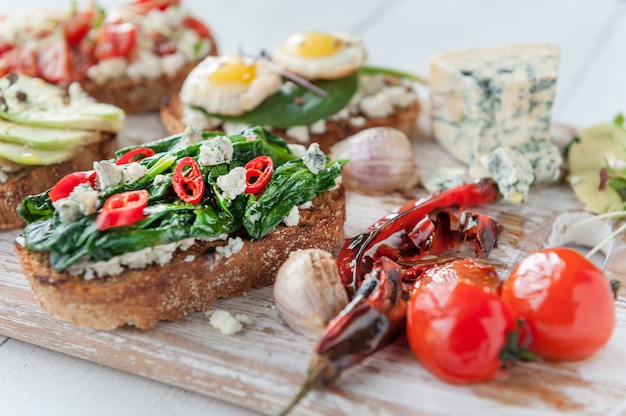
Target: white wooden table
{"x": 402, "y": 34}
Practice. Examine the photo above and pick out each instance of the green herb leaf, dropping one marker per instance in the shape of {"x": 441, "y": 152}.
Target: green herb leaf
{"x": 619, "y": 120}
{"x": 374, "y": 70}
{"x": 298, "y": 105}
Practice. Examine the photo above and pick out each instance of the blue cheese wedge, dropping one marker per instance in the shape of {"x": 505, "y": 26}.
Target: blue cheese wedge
{"x": 499, "y": 97}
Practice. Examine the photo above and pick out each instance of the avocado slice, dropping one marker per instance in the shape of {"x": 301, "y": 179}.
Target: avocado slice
{"x": 45, "y": 137}
{"x": 596, "y": 145}
{"x": 26, "y": 155}
{"x": 33, "y": 102}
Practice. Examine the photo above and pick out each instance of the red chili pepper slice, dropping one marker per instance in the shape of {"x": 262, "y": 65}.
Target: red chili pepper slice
{"x": 258, "y": 173}
{"x": 66, "y": 185}
{"x": 135, "y": 155}
{"x": 123, "y": 209}
{"x": 189, "y": 184}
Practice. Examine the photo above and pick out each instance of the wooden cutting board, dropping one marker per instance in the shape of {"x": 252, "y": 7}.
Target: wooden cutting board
{"x": 262, "y": 367}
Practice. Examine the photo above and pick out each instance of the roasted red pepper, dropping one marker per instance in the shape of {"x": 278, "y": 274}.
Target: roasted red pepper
{"x": 188, "y": 184}
{"x": 122, "y": 209}
{"x": 135, "y": 155}
{"x": 66, "y": 185}
{"x": 258, "y": 173}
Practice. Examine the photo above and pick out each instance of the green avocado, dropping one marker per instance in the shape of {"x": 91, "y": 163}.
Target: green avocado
{"x": 26, "y": 155}
{"x": 44, "y": 137}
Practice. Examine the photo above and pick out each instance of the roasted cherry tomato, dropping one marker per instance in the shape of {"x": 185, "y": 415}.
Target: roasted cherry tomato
{"x": 135, "y": 155}
{"x": 122, "y": 209}
{"x": 188, "y": 184}
{"x": 114, "y": 40}
{"x": 258, "y": 173}
{"x": 566, "y": 301}
{"x": 77, "y": 27}
{"x": 458, "y": 331}
{"x": 66, "y": 185}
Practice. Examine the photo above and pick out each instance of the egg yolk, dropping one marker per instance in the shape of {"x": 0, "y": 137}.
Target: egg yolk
{"x": 234, "y": 71}
{"x": 313, "y": 45}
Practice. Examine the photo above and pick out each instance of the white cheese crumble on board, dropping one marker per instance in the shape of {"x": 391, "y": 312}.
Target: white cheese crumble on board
{"x": 226, "y": 323}
{"x": 486, "y": 99}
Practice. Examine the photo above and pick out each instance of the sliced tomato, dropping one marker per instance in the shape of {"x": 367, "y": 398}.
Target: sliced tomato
{"x": 145, "y": 6}
{"x": 5, "y": 46}
{"x": 200, "y": 28}
{"x": 77, "y": 27}
{"x": 66, "y": 185}
{"x": 22, "y": 60}
{"x": 114, "y": 40}
{"x": 54, "y": 61}
{"x": 121, "y": 210}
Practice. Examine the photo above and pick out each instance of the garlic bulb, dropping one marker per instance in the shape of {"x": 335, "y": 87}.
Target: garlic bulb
{"x": 308, "y": 291}
{"x": 381, "y": 160}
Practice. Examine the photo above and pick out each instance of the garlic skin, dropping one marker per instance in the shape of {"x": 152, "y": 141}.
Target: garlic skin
{"x": 381, "y": 161}
{"x": 308, "y": 291}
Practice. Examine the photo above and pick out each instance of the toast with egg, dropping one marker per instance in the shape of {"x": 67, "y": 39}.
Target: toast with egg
{"x": 129, "y": 56}
{"x": 169, "y": 281}
{"x": 313, "y": 88}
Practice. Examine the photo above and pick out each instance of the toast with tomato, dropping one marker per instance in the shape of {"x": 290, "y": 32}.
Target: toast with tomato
{"x": 130, "y": 56}
{"x": 165, "y": 229}
{"x": 47, "y": 132}
{"x": 313, "y": 88}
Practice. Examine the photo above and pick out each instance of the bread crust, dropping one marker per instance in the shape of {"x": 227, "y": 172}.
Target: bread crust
{"x": 404, "y": 120}
{"x": 143, "y": 297}
{"x": 34, "y": 180}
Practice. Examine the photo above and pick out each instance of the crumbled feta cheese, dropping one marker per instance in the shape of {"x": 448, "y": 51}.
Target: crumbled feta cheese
{"x": 234, "y": 246}
{"x": 314, "y": 159}
{"x": 297, "y": 150}
{"x": 107, "y": 69}
{"x": 3, "y": 177}
{"x": 20, "y": 240}
{"x": 300, "y": 133}
{"x": 83, "y": 200}
{"x": 172, "y": 63}
{"x": 233, "y": 183}
{"x": 376, "y": 105}
{"x": 145, "y": 65}
{"x": 110, "y": 174}
{"x": 216, "y": 151}
{"x": 226, "y": 323}
{"x": 358, "y": 121}
{"x": 306, "y": 205}
{"x": 158, "y": 180}
{"x": 191, "y": 135}
{"x": 292, "y": 218}
{"x": 189, "y": 258}
{"x": 319, "y": 127}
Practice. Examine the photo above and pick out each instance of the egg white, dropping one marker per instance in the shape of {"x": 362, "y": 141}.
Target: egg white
{"x": 228, "y": 98}
{"x": 342, "y": 63}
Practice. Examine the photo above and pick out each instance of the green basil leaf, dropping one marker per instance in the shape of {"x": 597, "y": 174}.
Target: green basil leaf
{"x": 375, "y": 70}
{"x": 299, "y": 106}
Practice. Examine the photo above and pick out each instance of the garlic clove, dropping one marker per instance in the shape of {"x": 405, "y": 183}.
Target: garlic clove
{"x": 381, "y": 160}
{"x": 308, "y": 291}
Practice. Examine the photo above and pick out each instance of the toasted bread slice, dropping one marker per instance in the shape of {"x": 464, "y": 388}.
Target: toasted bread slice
{"x": 404, "y": 120}
{"x": 37, "y": 179}
{"x": 191, "y": 282}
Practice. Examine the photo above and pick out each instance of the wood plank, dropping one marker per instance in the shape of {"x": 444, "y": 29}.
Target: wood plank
{"x": 261, "y": 367}
{"x": 32, "y": 380}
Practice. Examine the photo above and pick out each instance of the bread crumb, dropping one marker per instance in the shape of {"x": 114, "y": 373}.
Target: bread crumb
{"x": 227, "y": 323}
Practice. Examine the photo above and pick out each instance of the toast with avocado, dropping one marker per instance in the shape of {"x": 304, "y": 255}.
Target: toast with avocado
{"x": 315, "y": 88}
{"x": 47, "y": 132}
{"x": 163, "y": 230}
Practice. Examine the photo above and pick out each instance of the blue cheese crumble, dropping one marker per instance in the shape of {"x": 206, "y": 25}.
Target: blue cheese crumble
{"x": 110, "y": 174}
{"x": 233, "y": 183}
{"x": 216, "y": 151}
{"x": 314, "y": 159}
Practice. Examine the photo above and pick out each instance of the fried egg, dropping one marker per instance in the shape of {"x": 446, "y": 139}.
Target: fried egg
{"x": 318, "y": 55}
{"x": 229, "y": 85}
